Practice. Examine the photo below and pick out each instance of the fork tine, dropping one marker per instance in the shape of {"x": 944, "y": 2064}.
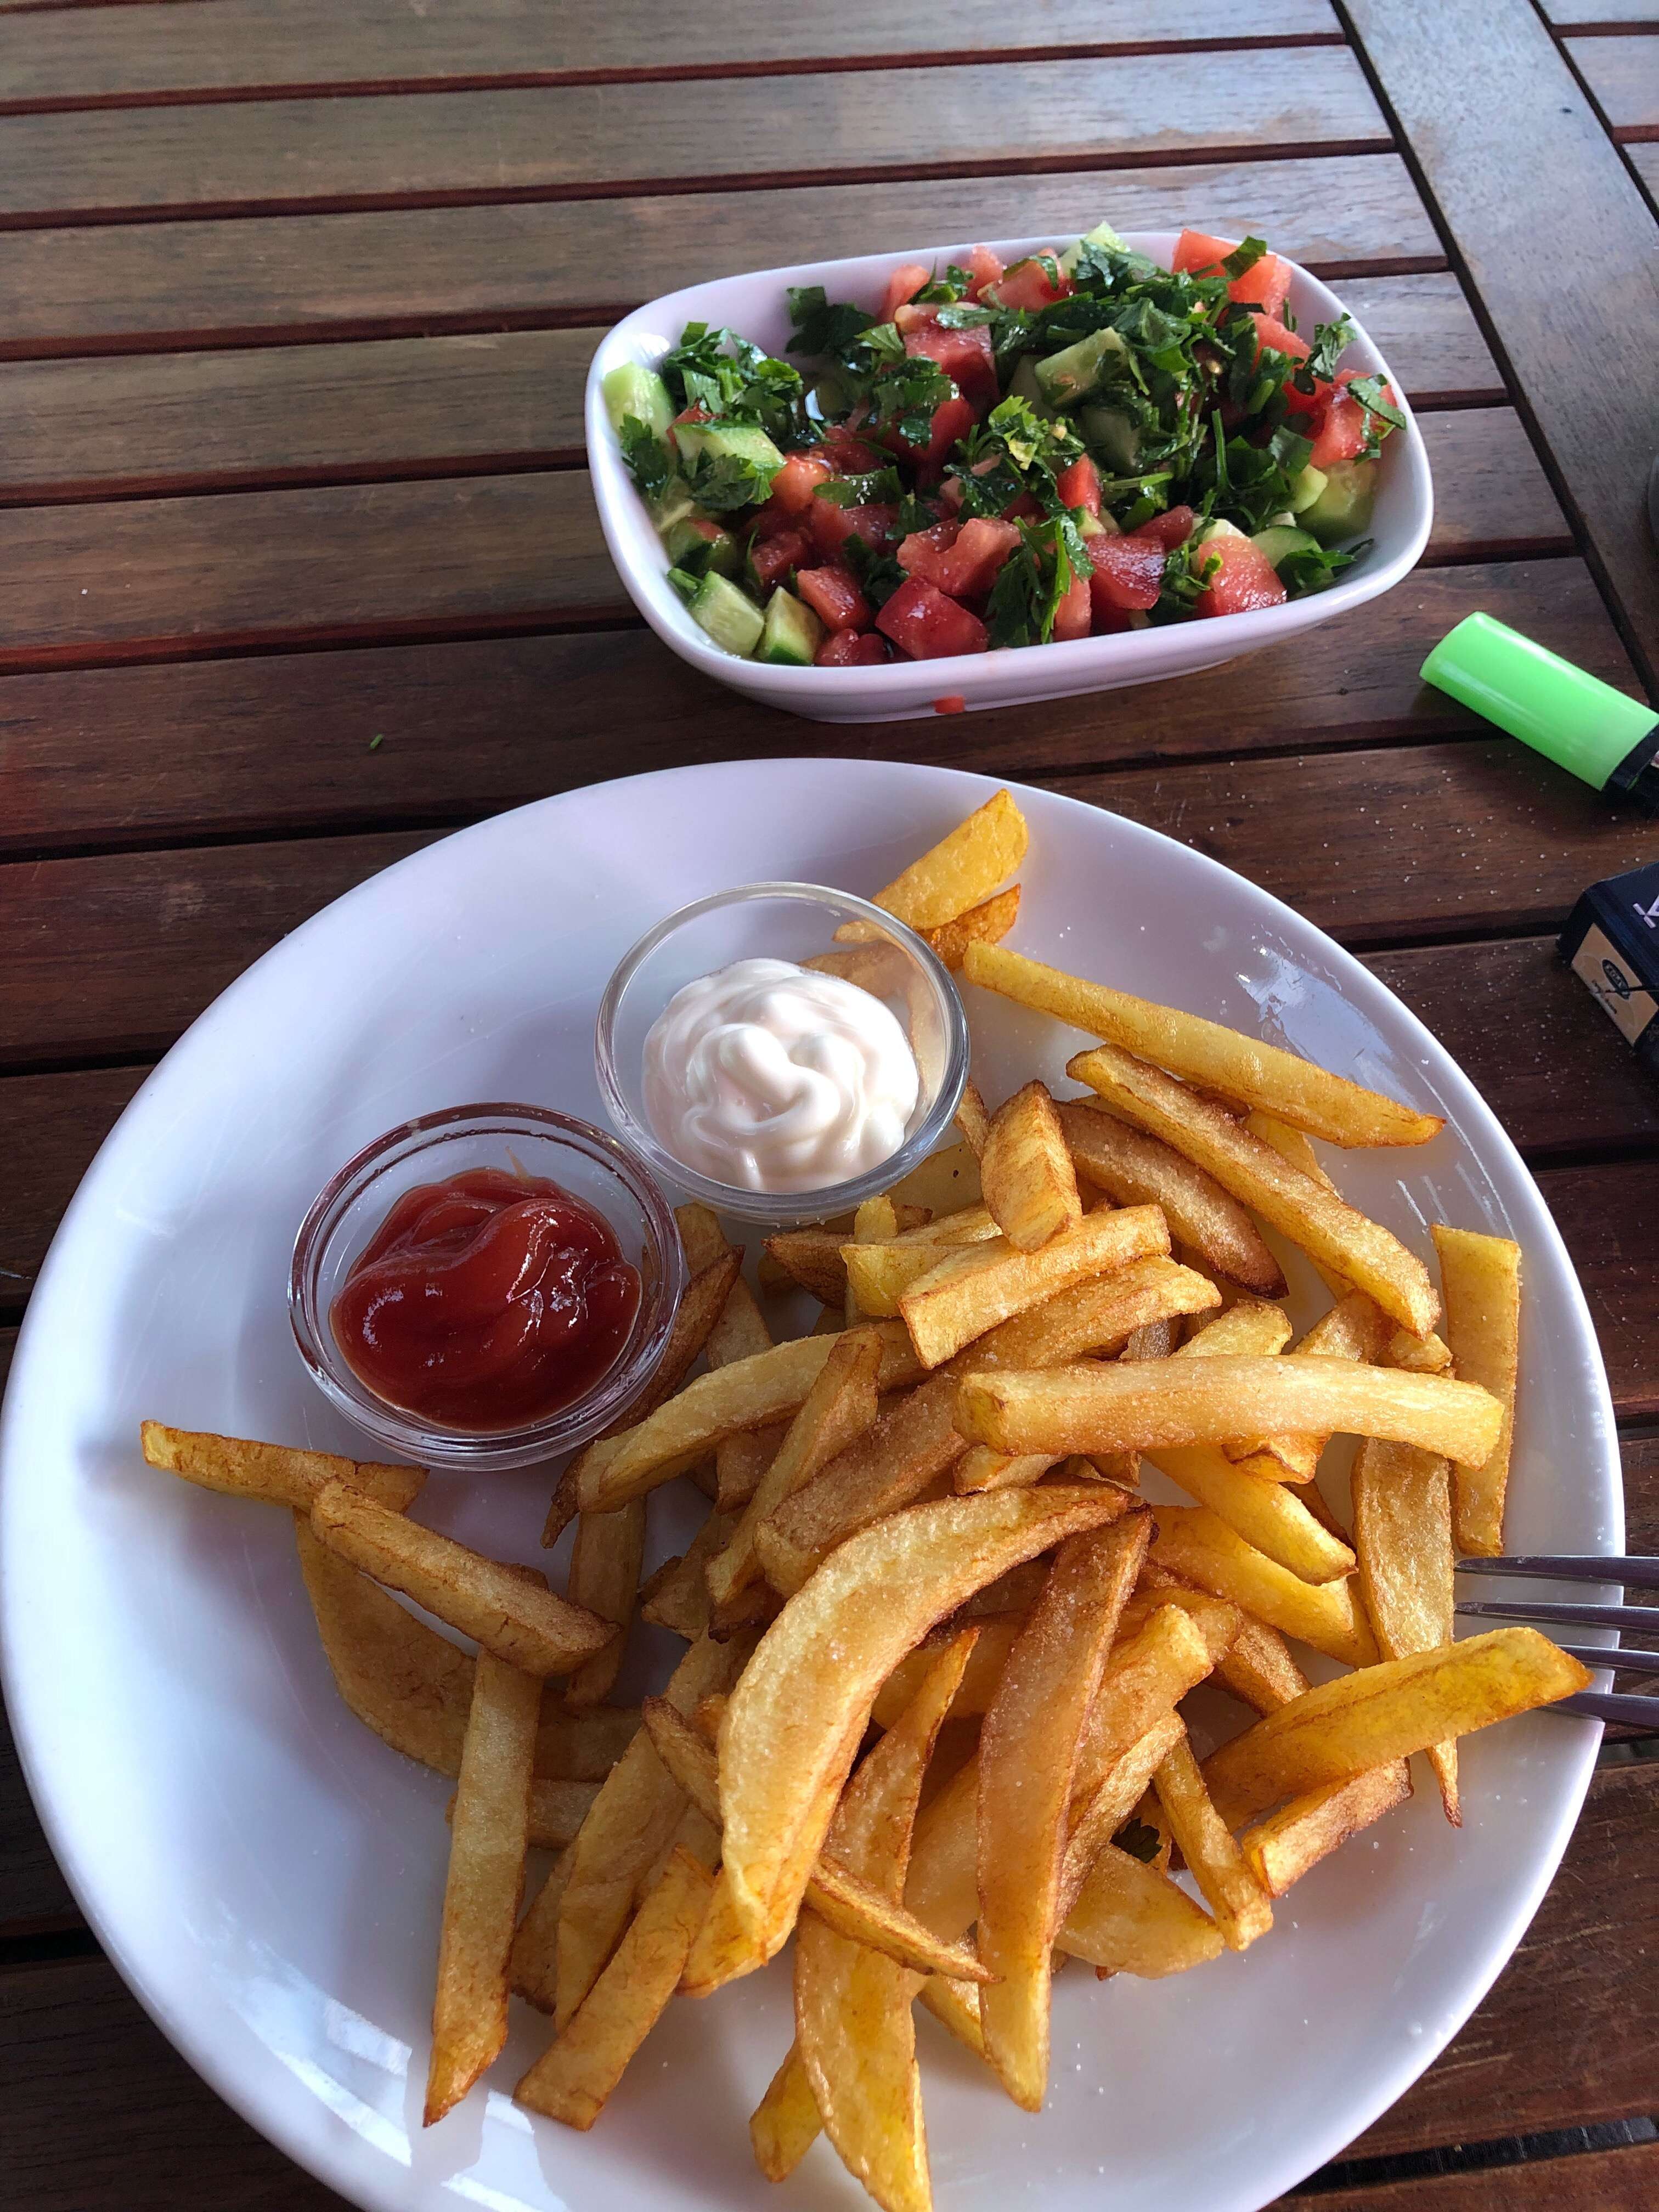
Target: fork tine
{"x": 1609, "y": 1706}
{"x": 1622, "y": 1661}
{"x": 1641, "y": 1620}
{"x": 1635, "y": 1574}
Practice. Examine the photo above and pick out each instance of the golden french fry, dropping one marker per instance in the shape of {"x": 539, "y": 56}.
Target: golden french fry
{"x": 875, "y": 1222}
{"x": 676, "y": 1597}
{"x": 751, "y": 1393}
{"x": 1252, "y": 1661}
{"x": 1271, "y": 1516}
{"x": 1157, "y": 1339}
{"x": 811, "y": 1258}
{"x": 888, "y": 1467}
{"x": 1481, "y": 1279}
{"x": 1356, "y": 1328}
{"x": 972, "y": 1119}
{"x": 631, "y": 1823}
{"x": 785, "y": 2124}
{"x": 1131, "y": 1919}
{"x": 1145, "y": 1677}
{"x": 812, "y": 1680}
{"x": 1198, "y": 1545}
{"x": 486, "y": 1871}
{"x": 1137, "y": 1170}
{"x": 1026, "y": 1171}
{"x": 530, "y": 1969}
{"x": 740, "y": 1333}
{"x": 604, "y": 1577}
{"x": 984, "y": 924}
{"x": 1403, "y": 1531}
{"x": 1206, "y": 1053}
{"x": 1281, "y": 1848}
{"x": 1329, "y": 1229}
{"x": 947, "y": 1182}
{"x": 1226, "y": 1884}
{"x": 1251, "y": 1326}
{"x": 276, "y": 1474}
{"x": 571, "y": 2079}
{"x": 969, "y": 1291}
{"x": 1387, "y": 1712}
{"x": 1098, "y": 1811}
{"x": 508, "y": 1610}
{"x": 1028, "y": 1756}
{"x": 982, "y": 1469}
{"x": 996, "y": 1639}
{"x": 960, "y": 872}
{"x": 880, "y": 1270}
{"x": 1142, "y": 1405}
{"x": 837, "y": 1411}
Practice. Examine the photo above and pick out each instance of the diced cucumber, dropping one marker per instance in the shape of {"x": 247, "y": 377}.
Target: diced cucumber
{"x": 1022, "y": 385}
{"x": 1095, "y": 526}
{"x": 633, "y": 389}
{"x": 1278, "y": 541}
{"x": 691, "y": 543}
{"x": 1306, "y": 488}
{"x": 1112, "y": 436}
{"x": 684, "y": 583}
{"x": 671, "y": 504}
{"x": 1343, "y": 509}
{"x": 727, "y": 441}
{"x": 1218, "y": 528}
{"x": 730, "y": 616}
{"x": 1102, "y": 234}
{"x": 792, "y": 633}
{"x": 1073, "y": 373}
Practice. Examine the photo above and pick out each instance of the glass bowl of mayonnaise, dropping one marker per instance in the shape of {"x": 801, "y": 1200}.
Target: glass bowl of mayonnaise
{"x": 781, "y": 1051}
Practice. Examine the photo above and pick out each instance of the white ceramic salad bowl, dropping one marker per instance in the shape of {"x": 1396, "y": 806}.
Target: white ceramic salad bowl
{"x": 755, "y": 306}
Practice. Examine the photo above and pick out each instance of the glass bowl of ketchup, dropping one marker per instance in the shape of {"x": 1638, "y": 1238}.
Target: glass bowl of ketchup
{"x": 488, "y": 1286}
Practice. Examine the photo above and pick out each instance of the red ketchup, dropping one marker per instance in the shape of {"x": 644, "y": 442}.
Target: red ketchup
{"x": 487, "y": 1301}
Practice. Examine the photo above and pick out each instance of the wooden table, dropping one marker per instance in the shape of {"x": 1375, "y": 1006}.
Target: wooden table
{"x": 299, "y": 569}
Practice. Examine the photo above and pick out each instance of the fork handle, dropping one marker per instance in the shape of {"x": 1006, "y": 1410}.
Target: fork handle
{"x": 1609, "y": 1706}
{"x": 1635, "y": 1574}
{"x": 1639, "y": 1620}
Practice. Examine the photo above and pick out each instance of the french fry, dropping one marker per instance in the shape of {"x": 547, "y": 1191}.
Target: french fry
{"x": 1331, "y": 1232}
{"x": 1028, "y": 1756}
{"x": 811, "y": 1258}
{"x": 879, "y": 1271}
{"x": 1135, "y": 1169}
{"x": 818, "y": 1667}
{"x": 1145, "y": 1677}
{"x": 988, "y": 923}
{"x": 1207, "y": 1054}
{"x": 1141, "y": 1406}
{"x": 1154, "y": 1340}
{"x": 1251, "y": 1326}
{"x": 631, "y": 1822}
{"x": 876, "y": 1222}
{"x": 508, "y": 1610}
{"x": 276, "y": 1475}
{"x": 1288, "y": 1844}
{"x": 1251, "y": 1660}
{"x": 1026, "y": 1171}
{"x": 1403, "y": 1531}
{"x": 1356, "y": 1328}
{"x": 785, "y": 2124}
{"x": 1226, "y": 1884}
{"x": 853, "y": 2027}
{"x": 530, "y": 1969}
{"x": 1481, "y": 1279}
{"x": 740, "y": 1333}
{"x": 1130, "y": 1919}
{"x": 486, "y": 1871}
{"x": 969, "y": 1291}
{"x": 571, "y": 2079}
{"x": 604, "y": 1577}
{"x": 960, "y": 872}
{"x": 1387, "y": 1712}
{"x": 1271, "y": 1516}
{"x": 1098, "y": 1811}
{"x": 994, "y": 1640}
{"x": 972, "y": 1119}
{"x": 946, "y": 1182}
{"x": 676, "y": 1597}
{"x": 1195, "y": 1543}
{"x": 837, "y": 1411}
{"x": 1099, "y": 1315}
{"x": 751, "y": 1393}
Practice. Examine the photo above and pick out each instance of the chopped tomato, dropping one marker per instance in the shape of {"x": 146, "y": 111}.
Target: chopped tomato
{"x": 960, "y": 558}
{"x": 833, "y": 598}
{"x": 1033, "y": 283}
{"x": 796, "y": 480}
{"x": 1128, "y": 572}
{"x": 832, "y": 526}
{"x": 923, "y": 622}
{"x": 951, "y": 703}
{"x": 1172, "y": 528}
{"x": 845, "y": 648}
{"x": 1072, "y": 616}
{"x": 848, "y": 456}
{"x": 952, "y": 419}
{"x": 1267, "y": 285}
{"x": 983, "y": 268}
{"x": 1340, "y": 434}
{"x": 1023, "y": 509}
{"x": 772, "y": 558}
{"x": 1079, "y": 485}
{"x": 965, "y": 355}
{"x": 1271, "y": 336}
{"x": 1108, "y": 621}
{"x": 906, "y": 281}
{"x": 1245, "y": 579}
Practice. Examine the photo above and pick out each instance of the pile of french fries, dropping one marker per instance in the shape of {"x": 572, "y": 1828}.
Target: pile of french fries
{"x": 928, "y": 1721}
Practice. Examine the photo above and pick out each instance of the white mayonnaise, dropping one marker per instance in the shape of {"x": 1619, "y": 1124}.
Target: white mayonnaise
{"x": 775, "y": 1077}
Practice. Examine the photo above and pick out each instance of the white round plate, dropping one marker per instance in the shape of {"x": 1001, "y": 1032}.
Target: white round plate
{"x": 267, "y": 1874}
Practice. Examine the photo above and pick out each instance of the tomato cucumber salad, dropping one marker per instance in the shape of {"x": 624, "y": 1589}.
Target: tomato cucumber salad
{"x": 1081, "y": 444}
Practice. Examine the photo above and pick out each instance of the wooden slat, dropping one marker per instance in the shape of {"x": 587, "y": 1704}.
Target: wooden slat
{"x": 33, "y": 1894}
{"x": 1599, "y": 2181}
{"x": 50, "y": 1128}
{"x": 1610, "y": 1220}
{"x": 1526, "y": 180}
{"x": 1576, "y": 14}
{"x": 1645, "y": 160}
{"x": 467, "y": 729}
{"x": 570, "y": 142}
{"x": 115, "y": 52}
{"x": 85, "y": 428}
{"x": 1622, "y": 74}
{"x": 449, "y": 268}
{"x": 79, "y": 582}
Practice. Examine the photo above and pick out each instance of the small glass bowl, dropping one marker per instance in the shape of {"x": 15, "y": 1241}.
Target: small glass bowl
{"x": 591, "y": 1164}
{"x": 784, "y": 921}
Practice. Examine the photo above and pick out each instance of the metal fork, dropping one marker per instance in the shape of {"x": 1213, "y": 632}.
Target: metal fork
{"x": 1642, "y": 1620}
